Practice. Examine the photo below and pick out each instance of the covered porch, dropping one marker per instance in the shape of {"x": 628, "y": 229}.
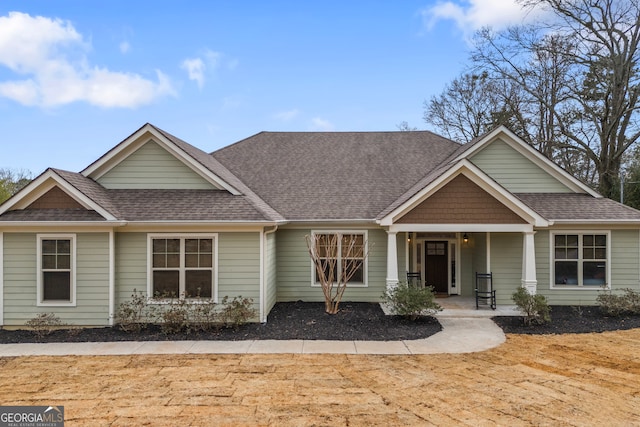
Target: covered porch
{"x": 449, "y": 260}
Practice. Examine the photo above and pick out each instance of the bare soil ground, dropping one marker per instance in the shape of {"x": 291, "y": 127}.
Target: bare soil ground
{"x": 555, "y": 380}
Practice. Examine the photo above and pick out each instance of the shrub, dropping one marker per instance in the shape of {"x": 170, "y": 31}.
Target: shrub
{"x": 411, "y": 301}
{"x": 535, "y": 308}
{"x": 237, "y": 311}
{"x": 618, "y": 305}
{"x": 44, "y": 323}
{"x": 135, "y": 314}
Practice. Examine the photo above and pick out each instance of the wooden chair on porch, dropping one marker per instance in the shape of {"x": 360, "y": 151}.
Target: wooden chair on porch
{"x": 484, "y": 290}
{"x": 414, "y": 278}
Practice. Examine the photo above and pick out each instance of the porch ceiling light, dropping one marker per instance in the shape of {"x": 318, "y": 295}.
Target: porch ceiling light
{"x": 465, "y": 238}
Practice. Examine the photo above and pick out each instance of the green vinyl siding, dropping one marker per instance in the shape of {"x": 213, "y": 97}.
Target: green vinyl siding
{"x": 131, "y": 265}
{"x": 239, "y": 266}
{"x": 514, "y": 171}
{"x": 506, "y": 265}
{"x": 294, "y": 267}
{"x": 92, "y": 280}
{"x": 625, "y": 269}
{"x": 151, "y": 166}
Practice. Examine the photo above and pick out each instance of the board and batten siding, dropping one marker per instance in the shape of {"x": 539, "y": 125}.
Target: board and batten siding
{"x": 151, "y": 166}
{"x": 625, "y": 269}
{"x": 514, "y": 171}
{"x": 92, "y": 280}
{"x": 294, "y": 267}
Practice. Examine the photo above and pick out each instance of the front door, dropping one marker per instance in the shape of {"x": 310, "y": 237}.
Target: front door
{"x": 435, "y": 264}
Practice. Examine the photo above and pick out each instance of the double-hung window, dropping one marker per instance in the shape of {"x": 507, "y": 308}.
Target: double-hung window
{"x": 341, "y": 252}
{"x": 182, "y": 266}
{"x": 56, "y": 269}
{"x": 580, "y": 259}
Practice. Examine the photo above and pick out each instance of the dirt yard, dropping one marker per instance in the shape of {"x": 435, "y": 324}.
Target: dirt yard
{"x": 588, "y": 379}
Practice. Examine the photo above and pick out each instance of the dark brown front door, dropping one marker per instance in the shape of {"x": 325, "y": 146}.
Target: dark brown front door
{"x": 436, "y": 260}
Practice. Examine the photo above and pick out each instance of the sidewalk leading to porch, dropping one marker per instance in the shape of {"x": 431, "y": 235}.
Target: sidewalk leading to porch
{"x": 462, "y": 306}
{"x": 458, "y": 335}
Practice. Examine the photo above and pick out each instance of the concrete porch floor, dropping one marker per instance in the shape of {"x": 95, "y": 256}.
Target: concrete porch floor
{"x": 463, "y": 306}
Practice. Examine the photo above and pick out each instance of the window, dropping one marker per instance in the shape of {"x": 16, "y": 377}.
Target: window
{"x": 182, "y": 266}
{"x": 580, "y": 259}
{"x": 56, "y": 269}
{"x": 348, "y": 249}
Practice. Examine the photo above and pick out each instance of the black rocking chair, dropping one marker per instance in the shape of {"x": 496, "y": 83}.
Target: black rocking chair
{"x": 484, "y": 290}
{"x": 414, "y": 278}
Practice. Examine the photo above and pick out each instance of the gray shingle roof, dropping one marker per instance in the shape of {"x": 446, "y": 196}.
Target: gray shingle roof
{"x": 334, "y": 175}
{"x": 577, "y": 207}
{"x": 43, "y": 215}
{"x": 184, "y": 205}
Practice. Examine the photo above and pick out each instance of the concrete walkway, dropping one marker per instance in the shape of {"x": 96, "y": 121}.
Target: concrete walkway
{"x": 459, "y": 335}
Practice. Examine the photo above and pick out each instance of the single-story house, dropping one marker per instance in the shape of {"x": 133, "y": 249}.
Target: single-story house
{"x": 157, "y": 214}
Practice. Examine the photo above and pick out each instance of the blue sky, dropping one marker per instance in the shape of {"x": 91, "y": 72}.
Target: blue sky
{"x": 77, "y": 77}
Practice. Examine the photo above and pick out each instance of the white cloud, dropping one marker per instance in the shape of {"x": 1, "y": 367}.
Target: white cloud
{"x": 52, "y": 59}
{"x": 195, "y": 69}
{"x": 471, "y": 15}
{"x": 198, "y": 68}
{"x": 287, "y": 116}
{"x": 320, "y": 124}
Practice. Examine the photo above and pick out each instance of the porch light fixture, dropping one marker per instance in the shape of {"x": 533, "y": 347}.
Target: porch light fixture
{"x": 465, "y": 238}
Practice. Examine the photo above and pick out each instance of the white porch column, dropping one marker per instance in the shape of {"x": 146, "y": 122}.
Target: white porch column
{"x": 529, "y": 281}
{"x": 392, "y": 260}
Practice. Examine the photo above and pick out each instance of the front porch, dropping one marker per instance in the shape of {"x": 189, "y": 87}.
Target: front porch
{"x": 448, "y": 261}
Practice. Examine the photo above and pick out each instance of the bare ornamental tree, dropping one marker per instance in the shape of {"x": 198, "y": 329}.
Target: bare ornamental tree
{"x": 338, "y": 259}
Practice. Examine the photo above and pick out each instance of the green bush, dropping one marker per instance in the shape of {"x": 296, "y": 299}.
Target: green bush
{"x": 236, "y": 311}
{"x": 44, "y": 323}
{"x": 135, "y": 314}
{"x": 535, "y": 308}
{"x": 188, "y": 315}
{"x": 618, "y": 305}
{"x": 411, "y": 301}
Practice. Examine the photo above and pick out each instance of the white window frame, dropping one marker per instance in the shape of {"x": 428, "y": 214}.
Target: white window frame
{"x": 580, "y": 285}
{"x": 72, "y": 269}
{"x": 182, "y": 269}
{"x": 365, "y": 269}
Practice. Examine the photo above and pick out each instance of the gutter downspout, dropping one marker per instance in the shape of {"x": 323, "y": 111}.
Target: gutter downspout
{"x": 263, "y": 273}
{"x": 112, "y": 278}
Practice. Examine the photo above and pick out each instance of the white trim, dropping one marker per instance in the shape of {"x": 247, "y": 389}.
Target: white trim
{"x": 578, "y": 287}
{"x": 365, "y": 264}
{"x": 112, "y": 278}
{"x": 263, "y": 274}
{"x": 140, "y": 138}
{"x": 469, "y": 228}
{"x": 45, "y": 182}
{"x": 1, "y": 278}
{"x": 532, "y": 154}
{"x": 262, "y": 281}
{"x": 73, "y": 268}
{"x": 182, "y": 237}
{"x": 482, "y": 180}
{"x": 488, "y": 260}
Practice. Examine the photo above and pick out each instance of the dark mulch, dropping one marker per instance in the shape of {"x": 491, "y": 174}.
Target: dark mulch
{"x": 291, "y": 320}
{"x": 570, "y": 319}
{"x": 355, "y": 321}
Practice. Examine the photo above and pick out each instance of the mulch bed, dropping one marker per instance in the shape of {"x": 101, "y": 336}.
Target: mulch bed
{"x": 569, "y": 319}
{"x": 289, "y": 320}
{"x": 355, "y": 321}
